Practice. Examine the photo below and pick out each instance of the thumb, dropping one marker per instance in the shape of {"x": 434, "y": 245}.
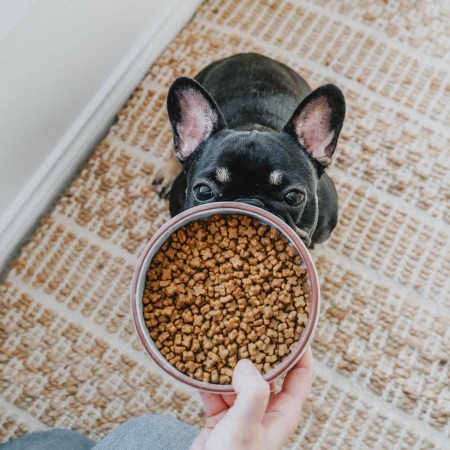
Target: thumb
{"x": 253, "y": 394}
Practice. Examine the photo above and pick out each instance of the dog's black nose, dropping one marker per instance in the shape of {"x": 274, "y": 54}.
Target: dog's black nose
{"x": 251, "y": 201}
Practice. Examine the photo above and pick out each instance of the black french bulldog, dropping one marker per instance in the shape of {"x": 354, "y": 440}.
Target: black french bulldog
{"x": 249, "y": 129}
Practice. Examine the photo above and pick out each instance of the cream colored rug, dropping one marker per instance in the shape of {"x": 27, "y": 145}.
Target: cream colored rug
{"x": 69, "y": 353}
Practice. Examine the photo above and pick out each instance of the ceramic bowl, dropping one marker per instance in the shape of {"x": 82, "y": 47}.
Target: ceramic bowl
{"x": 276, "y": 375}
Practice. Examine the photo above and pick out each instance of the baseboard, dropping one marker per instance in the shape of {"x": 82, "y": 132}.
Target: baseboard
{"x": 91, "y": 126}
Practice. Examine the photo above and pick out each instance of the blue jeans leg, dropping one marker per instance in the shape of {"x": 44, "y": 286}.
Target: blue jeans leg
{"x": 53, "y": 440}
{"x": 150, "y": 432}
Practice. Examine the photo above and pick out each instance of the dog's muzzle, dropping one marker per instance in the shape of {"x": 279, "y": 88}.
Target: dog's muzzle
{"x": 304, "y": 235}
{"x": 252, "y": 202}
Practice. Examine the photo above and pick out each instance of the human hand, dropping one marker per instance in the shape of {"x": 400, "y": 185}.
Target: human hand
{"x": 254, "y": 418}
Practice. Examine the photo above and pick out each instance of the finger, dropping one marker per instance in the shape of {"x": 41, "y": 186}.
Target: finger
{"x": 214, "y": 403}
{"x": 229, "y": 399}
{"x": 295, "y": 389}
{"x": 298, "y": 381}
{"x": 252, "y": 394}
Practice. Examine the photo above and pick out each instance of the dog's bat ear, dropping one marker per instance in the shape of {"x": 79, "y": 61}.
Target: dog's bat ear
{"x": 194, "y": 116}
{"x": 317, "y": 122}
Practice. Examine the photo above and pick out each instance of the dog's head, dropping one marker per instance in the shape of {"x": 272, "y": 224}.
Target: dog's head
{"x": 275, "y": 170}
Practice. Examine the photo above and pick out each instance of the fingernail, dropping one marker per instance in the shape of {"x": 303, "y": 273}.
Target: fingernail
{"x": 245, "y": 366}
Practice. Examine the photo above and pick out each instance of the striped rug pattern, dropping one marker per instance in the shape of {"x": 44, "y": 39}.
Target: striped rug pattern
{"x": 69, "y": 353}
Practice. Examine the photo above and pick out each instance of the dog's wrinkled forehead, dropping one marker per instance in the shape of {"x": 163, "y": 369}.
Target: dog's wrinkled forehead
{"x": 253, "y": 158}
{"x": 223, "y": 175}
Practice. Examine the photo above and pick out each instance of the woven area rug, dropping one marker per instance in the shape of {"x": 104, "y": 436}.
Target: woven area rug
{"x": 69, "y": 353}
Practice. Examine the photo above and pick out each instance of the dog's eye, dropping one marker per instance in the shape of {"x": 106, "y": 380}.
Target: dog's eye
{"x": 203, "y": 192}
{"x": 294, "y": 197}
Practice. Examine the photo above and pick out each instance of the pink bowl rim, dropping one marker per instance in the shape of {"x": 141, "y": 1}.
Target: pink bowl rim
{"x": 225, "y": 208}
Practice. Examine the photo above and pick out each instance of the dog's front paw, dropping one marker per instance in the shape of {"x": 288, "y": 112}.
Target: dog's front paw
{"x": 162, "y": 183}
{"x": 165, "y": 176}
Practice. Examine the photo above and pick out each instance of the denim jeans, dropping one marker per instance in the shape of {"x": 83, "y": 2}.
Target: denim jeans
{"x": 149, "y": 432}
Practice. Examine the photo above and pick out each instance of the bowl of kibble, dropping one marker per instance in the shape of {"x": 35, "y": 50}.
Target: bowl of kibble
{"x": 223, "y": 282}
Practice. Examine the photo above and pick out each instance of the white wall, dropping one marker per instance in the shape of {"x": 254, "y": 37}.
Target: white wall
{"x": 66, "y": 66}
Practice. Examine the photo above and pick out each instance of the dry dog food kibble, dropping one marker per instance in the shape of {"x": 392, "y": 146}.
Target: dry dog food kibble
{"x": 224, "y": 289}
